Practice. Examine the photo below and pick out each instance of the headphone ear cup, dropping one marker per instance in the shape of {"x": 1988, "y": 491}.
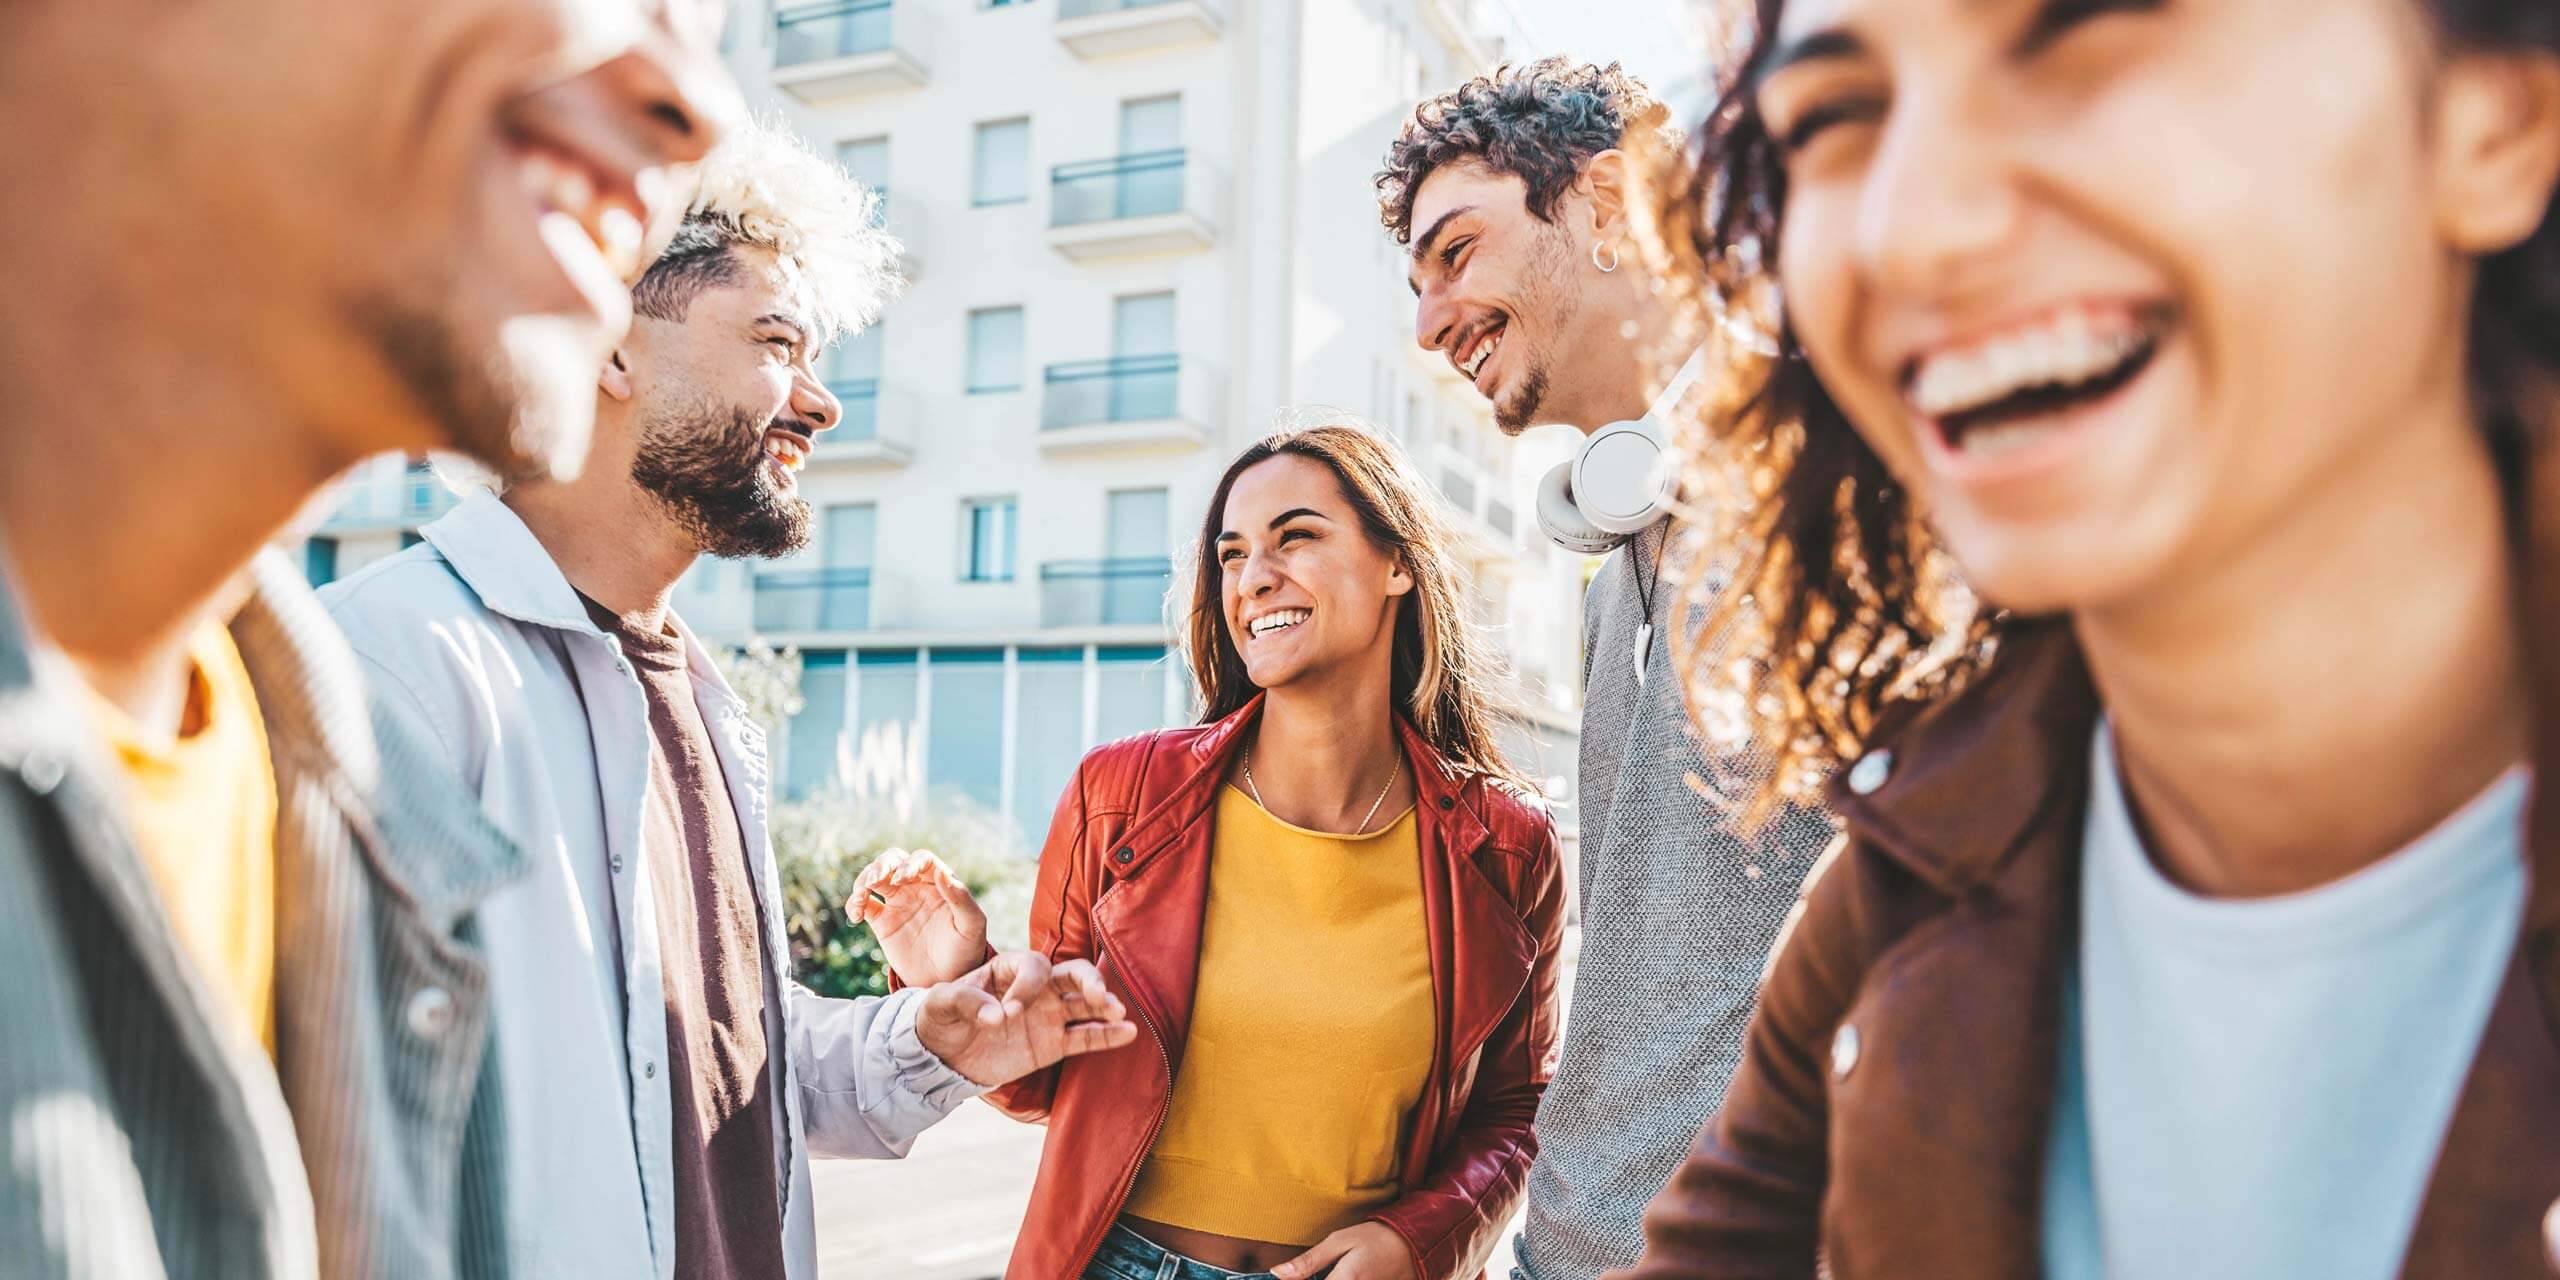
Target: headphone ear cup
{"x": 1564, "y": 522}
{"x": 1621, "y": 478}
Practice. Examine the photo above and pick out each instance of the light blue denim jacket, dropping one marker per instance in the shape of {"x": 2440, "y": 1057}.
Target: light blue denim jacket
{"x": 477, "y": 635}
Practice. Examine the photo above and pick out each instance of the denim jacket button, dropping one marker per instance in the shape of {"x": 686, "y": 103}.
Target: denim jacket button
{"x": 43, "y": 772}
{"x": 1844, "y": 1051}
{"x": 430, "y": 1012}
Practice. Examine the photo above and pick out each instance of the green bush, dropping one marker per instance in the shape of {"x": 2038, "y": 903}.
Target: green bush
{"x": 874, "y": 800}
{"x": 823, "y": 843}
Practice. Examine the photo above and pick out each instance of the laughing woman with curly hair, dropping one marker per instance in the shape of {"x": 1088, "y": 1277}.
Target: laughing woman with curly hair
{"x": 2189, "y": 924}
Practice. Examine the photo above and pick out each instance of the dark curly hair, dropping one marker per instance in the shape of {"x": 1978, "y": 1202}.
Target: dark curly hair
{"x": 1849, "y": 612}
{"x": 1540, "y": 121}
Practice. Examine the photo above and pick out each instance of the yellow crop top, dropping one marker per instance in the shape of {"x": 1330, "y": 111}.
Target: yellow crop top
{"x": 1311, "y": 1033}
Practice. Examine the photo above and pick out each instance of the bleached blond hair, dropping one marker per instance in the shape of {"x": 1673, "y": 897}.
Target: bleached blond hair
{"x": 763, "y": 186}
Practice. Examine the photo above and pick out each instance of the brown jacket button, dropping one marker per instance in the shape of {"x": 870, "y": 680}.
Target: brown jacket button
{"x": 2551, "y": 1233}
{"x": 1123, "y": 857}
{"x": 1447, "y": 802}
{"x": 1844, "y": 1051}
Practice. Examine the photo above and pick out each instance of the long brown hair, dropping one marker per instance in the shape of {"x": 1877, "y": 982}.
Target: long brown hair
{"x": 1443, "y": 669}
{"x": 1841, "y": 602}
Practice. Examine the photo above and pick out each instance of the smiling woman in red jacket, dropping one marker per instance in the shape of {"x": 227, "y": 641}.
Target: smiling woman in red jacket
{"x": 1332, "y": 912}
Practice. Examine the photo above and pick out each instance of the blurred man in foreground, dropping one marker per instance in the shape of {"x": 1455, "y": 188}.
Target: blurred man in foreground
{"x": 252, "y": 243}
{"x": 667, "y": 1080}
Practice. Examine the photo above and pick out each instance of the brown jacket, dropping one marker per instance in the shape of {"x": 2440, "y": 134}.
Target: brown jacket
{"x": 1890, "y": 1114}
{"x": 1123, "y": 882}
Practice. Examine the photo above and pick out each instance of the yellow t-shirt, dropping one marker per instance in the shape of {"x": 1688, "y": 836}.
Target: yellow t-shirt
{"x": 203, "y": 809}
{"x": 1311, "y": 1033}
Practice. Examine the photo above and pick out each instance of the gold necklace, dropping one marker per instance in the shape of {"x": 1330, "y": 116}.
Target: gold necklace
{"x": 1373, "y": 805}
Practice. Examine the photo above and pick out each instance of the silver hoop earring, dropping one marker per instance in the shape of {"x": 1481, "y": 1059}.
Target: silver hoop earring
{"x": 1611, "y": 264}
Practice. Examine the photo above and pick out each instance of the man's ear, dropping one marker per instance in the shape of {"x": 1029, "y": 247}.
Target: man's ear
{"x": 1609, "y": 182}
{"x": 615, "y": 380}
{"x": 2497, "y": 149}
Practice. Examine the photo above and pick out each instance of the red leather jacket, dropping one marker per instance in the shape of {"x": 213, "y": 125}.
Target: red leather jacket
{"x": 1123, "y": 882}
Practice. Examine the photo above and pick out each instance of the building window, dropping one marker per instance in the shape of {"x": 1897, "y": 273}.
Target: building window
{"x": 866, "y": 160}
{"x": 1003, "y": 172}
{"x": 995, "y": 349}
{"x": 989, "y": 554}
{"x": 320, "y": 561}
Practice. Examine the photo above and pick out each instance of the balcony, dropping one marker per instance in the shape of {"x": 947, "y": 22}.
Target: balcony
{"x": 847, "y": 49}
{"x": 796, "y": 600}
{"x": 1152, "y": 202}
{"x": 1126, "y": 403}
{"x": 416, "y": 498}
{"x": 877, "y": 431}
{"x": 1109, "y": 28}
{"x": 1109, "y": 593}
{"x": 1491, "y": 30}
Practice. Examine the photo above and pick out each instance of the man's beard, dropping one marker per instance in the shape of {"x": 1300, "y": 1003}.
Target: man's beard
{"x": 1518, "y": 411}
{"x": 707, "y": 468}
{"x": 1551, "y": 305}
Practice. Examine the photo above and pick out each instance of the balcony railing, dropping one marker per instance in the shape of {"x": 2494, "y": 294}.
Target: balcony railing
{"x": 824, "y": 32}
{"x": 1121, "y": 389}
{"x": 415, "y": 500}
{"x": 813, "y": 600}
{"x": 1087, "y": 8}
{"x": 861, "y": 400}
{"x": 1111, "y": 28}
{"x": 831, "y": 52}
{"x": 1142, "y": 185}
{"x": 1115, "y": 592}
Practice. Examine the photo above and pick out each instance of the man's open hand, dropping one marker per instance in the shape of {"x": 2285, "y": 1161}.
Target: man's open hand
{"x": 930, "y": 929}
{"x": 1016, "y": 1014}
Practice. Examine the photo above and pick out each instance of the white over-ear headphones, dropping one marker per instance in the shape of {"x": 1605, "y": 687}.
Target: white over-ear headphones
{"x": 1621, "y": 480}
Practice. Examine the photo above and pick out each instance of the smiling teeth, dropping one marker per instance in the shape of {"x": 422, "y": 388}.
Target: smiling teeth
{"x": 557, "y": 184}
{"x": 1483, "y": 352}
{"x": 1276, "y": 620}
{"x": 786, "y": 450}
{"x": 2069, "y": 348}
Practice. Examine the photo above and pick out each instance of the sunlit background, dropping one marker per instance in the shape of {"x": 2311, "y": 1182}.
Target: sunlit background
{"x": 1134, "y": 229}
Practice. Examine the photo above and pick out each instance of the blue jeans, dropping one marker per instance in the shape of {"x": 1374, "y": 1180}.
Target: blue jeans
{"x": 1126, "y": 1255}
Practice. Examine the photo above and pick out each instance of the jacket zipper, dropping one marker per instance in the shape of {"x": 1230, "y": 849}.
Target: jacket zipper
{"x": 1129, "y": 1180}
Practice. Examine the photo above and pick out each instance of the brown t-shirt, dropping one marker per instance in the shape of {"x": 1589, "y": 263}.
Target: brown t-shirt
{"x": 710, "y": 946}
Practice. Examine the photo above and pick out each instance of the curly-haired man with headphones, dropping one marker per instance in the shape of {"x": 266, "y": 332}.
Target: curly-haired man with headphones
{"x": 1512, "y": 194}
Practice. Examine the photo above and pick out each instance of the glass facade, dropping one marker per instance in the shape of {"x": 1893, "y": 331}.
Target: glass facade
{"x": 1003, "y": 727}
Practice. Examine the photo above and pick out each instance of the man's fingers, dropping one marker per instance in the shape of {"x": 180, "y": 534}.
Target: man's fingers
{"x": 1094, "y": 1037}
{"x": 961, "y": 1001}
{"x": 1079, "y": 980}
{"x": 1030, "y": 973}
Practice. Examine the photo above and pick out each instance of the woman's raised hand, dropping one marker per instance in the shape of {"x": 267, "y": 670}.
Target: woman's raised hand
{"x": 930, "y": 929}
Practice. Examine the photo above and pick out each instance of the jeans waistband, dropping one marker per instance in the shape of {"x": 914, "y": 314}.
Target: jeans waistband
{"x": 1126, "y": 1255}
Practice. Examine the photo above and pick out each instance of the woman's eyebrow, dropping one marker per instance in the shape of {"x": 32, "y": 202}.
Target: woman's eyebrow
{"x": 1827, "y": 44}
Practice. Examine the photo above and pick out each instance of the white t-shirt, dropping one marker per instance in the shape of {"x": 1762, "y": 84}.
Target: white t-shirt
{"x": 2257, "y": 1088}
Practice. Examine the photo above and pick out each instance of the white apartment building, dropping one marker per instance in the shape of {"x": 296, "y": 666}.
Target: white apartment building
{"x": 1135, "y": 229}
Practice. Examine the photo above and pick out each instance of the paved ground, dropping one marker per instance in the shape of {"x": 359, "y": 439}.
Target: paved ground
{"x": 950, "y": 1209}
{"x": 946, "y": 1212}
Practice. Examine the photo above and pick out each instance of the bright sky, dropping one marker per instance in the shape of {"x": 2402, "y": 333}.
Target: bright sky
{"x": 1653, "y": 38}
